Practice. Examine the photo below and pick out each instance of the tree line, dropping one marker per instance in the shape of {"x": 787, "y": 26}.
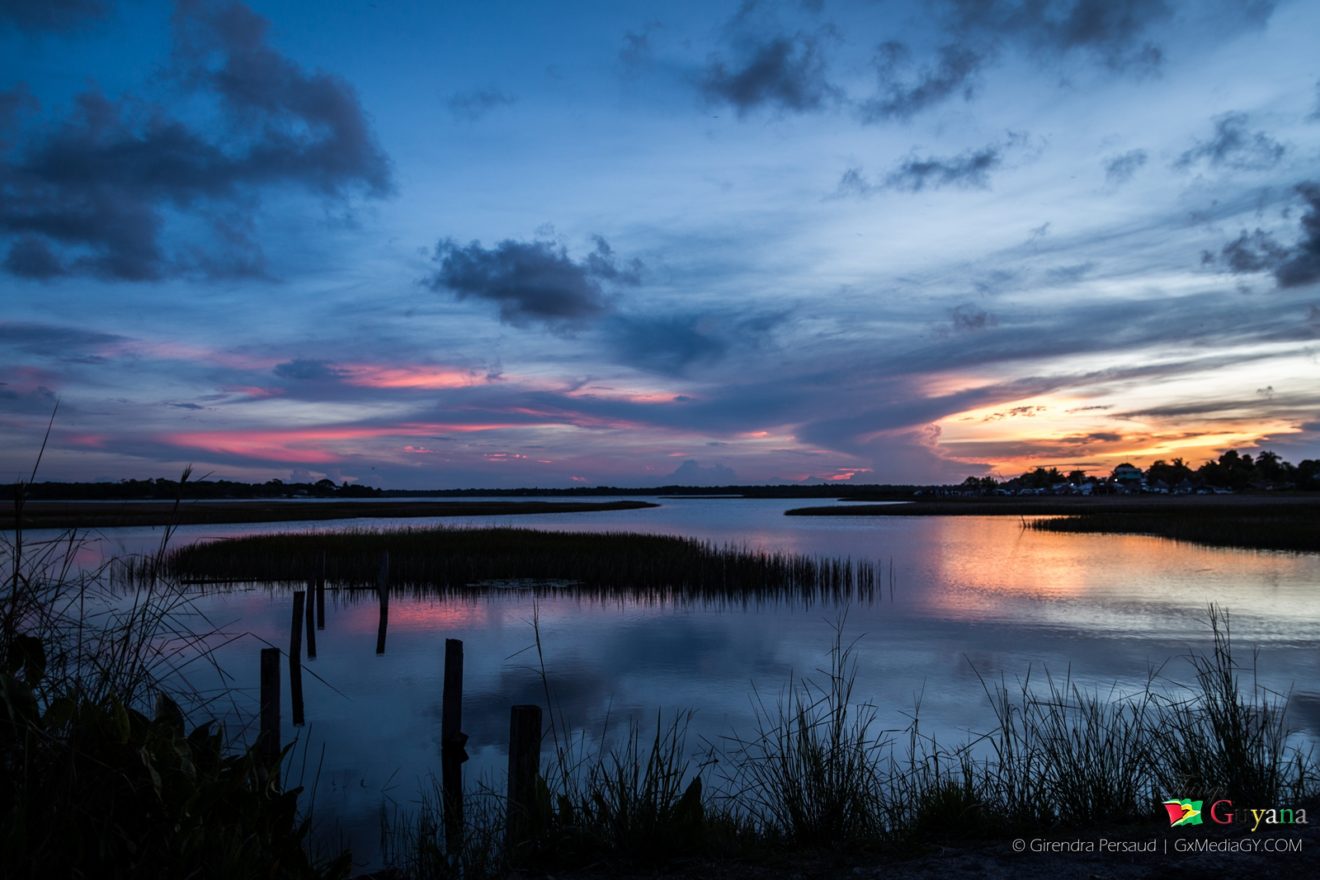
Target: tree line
{"x": 1233, "y": 470}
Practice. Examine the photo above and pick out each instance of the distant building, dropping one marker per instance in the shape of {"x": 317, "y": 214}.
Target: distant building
{"x": 1128, "y": 478}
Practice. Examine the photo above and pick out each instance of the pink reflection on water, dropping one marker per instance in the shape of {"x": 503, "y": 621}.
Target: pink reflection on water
{"x": 413, "y": 615}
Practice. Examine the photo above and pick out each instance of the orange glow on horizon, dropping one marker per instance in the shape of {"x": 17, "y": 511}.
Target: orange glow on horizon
{"x": 1077, "y": 434}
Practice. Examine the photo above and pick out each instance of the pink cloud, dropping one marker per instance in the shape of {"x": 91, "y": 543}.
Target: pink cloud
{"x": 379, "y": 376}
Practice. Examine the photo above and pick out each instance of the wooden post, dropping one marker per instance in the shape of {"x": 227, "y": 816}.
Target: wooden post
{"x": 268, "y": 738}
{"x": 320, "y": 596}
{"x": 311, "y": 620}
{"x": 524, "y": 764}
{"x": 295, "y": 657}
{"x": 452, "y": 741}
{"x": 383, "y": 592}
{"x": 451, "y": 712}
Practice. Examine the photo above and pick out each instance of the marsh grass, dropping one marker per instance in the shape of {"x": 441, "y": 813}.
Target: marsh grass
{"x": 1229, "y": 738}
{"x": 1063, "y": 754}
{"x": 456, "y": 559}
{"x": 413, "y": 842}
{"x": 811, "y": 772}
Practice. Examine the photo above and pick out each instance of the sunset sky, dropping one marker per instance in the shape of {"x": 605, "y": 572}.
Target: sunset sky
{"x": 497, "y": 244}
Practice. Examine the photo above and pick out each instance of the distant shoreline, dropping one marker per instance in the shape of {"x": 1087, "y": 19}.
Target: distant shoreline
{"x": 1252, "y": 522}
{"x": 108, "y": 514}
{"x": 1066, "y": 505}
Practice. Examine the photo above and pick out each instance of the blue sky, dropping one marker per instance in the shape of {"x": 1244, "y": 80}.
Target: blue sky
{"x": 501, "y": 244}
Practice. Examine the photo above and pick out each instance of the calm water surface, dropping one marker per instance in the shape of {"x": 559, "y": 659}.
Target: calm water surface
{"x": 972, "y": 597}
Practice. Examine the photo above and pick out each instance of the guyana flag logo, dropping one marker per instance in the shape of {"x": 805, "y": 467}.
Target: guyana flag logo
{"x": 1183, "y": 812}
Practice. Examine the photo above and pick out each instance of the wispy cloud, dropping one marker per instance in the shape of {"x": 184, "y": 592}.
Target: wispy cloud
{"x": 1232, "y": 146}
{"x": 1120, "y": 169}
{"x": 900, "y": 96}
{"x": 474, "y": 105}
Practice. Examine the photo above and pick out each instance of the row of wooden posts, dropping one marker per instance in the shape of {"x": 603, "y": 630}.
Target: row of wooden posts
{"x": 524, "y": 721}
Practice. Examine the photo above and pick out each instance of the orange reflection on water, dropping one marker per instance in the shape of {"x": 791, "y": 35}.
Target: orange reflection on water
{"x": 989, "y": 565}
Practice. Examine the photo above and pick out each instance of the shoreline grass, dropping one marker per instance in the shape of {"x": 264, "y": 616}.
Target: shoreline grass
{"x": 1252, "y": 522}
{"x": 1292, "y": 529}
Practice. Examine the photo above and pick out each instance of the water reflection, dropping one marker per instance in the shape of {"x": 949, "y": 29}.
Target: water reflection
{"x": 974, "y": 599}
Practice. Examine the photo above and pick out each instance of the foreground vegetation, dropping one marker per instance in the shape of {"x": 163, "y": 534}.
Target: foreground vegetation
{"x": 100, "y": 775}
{"x": 819, "y": 775}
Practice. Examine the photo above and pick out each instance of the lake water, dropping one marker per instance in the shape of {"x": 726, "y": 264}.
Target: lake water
{"x": 971, "y": 598}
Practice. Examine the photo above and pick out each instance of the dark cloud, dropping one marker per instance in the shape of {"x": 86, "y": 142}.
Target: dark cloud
{"x": 59, "y": 16}
{"x": 192, "y": 406}
{"x": 1315, "y": 114}
{"x": 674, "y": 343}
{"x": 1232, "y": 146}
{"x": 534, "y": 280}
{"x": 471, "y": 106}
{"x": 1303, "y": 264}
{"x": 312, "y": 128}
{"x": 784, "y": 73}
{"x": 968, "y": 318}
{"x": 901, "y": 97}
{"x": 1254, "y": 251}
{"x": 1116, "y": 32}
{"x": 970, "y": 169}
{"x": 98, "y": 189}
{"x": 1120, "y": 168}
{"x": 29, "y": 257}
{"x": 305, "y": 370}
{"x": 1260, "y": 251}
{"x": 669, "y": 344}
